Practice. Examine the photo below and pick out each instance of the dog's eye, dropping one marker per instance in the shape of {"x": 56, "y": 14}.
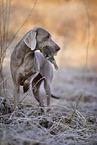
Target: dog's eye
{"x": 47, "y": 55}
{"x": 45, "y": 38}
{"x": 48, "y": 36}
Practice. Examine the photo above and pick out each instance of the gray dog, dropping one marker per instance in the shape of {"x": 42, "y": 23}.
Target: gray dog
{"x": 26, "y": 63}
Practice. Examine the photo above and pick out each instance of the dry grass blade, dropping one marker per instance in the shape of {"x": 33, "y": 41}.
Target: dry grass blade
{"x": 87, "y": 48}
{"x": 69, "y": 119}
{"x": 23, "y": 98}
{"x": 3, "y": 81}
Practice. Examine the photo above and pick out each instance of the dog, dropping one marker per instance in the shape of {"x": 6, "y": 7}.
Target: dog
{"x": 26, "y": 63}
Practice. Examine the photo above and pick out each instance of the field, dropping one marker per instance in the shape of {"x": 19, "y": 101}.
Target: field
{"x": 73, "y": 118}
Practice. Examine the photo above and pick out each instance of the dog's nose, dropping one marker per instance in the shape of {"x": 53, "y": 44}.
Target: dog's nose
{"x": 57, "y": 48}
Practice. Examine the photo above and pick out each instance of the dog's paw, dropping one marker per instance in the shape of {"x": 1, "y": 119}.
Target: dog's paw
{"x": 26, "y": 86}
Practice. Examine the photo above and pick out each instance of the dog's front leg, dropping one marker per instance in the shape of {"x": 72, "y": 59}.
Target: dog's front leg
{"x": 48, "y": 92}
{"x": 16, "y": 96}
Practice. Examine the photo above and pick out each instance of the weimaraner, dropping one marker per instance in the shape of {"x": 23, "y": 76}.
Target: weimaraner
{"x": 27, "y": 64}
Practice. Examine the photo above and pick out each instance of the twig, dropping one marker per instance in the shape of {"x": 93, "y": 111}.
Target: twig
{"x": 44, "y": 129}
{"x": 20, "y": 27}
{"x": 81, "y": 115}
{"x": 23, "y": 99}
{"x": 75, "y": 108}
{"x": 13, "y": 113}
{"x": 9, "y": 6}
{"x": 86, "y": 70}
{"x": 3, "y": 81}
{"x": 0, "y": 46}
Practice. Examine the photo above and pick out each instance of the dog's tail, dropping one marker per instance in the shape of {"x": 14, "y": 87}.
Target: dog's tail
{"x": 55, "y": 97}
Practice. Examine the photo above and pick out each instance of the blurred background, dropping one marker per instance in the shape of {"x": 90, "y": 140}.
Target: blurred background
{"x": 66, "y": 20}
{"x": 72, "y": 28}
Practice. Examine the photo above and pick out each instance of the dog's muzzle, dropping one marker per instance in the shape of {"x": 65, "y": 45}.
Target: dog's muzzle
{"x": 57, "y": 48}
{"x": 49, "y": 54}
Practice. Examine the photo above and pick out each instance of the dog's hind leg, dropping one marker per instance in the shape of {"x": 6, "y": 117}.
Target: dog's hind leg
{"x": 35, "y": 88}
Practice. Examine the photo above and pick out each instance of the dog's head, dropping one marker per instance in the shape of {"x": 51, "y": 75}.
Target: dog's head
{"x": 40, "y": 39}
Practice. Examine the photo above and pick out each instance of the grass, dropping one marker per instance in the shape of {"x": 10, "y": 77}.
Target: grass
{"x": 52, "y": 127}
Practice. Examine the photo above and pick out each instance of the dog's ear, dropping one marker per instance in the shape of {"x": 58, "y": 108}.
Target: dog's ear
{"x": 30, "y": 39}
